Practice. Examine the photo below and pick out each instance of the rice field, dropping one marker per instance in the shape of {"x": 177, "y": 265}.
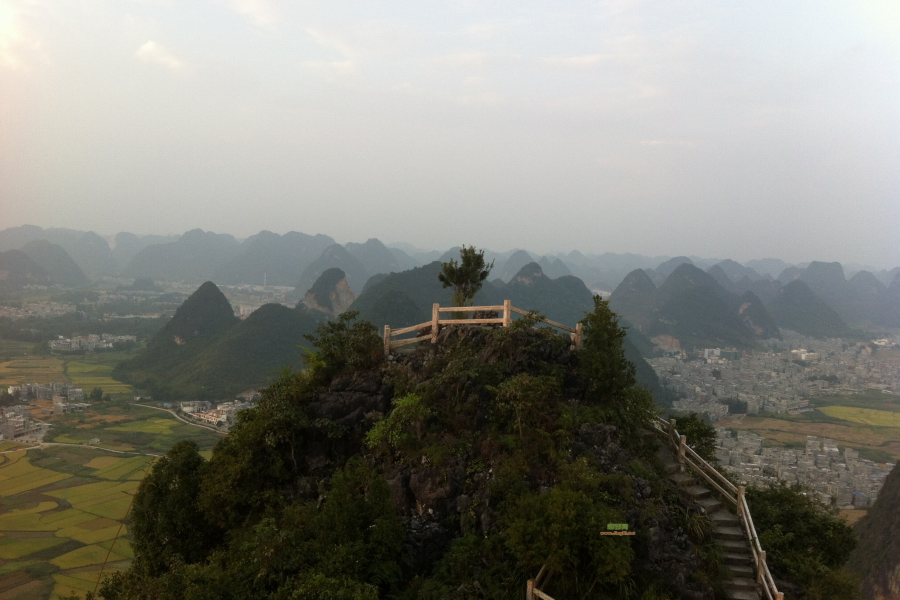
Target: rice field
{"x": 32, "y": 370}
{"x": 863, "y": 416}
{"x": 90, "y": 375}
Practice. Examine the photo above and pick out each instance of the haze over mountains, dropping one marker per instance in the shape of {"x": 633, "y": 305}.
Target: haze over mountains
{"x": 698, "y": 301}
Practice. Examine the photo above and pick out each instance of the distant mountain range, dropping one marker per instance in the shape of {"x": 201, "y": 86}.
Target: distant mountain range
{"x": 741, "y": 304}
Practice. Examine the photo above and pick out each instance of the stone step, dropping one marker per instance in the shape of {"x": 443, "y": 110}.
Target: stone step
{"x": 671, "y": 467}
{"x": 681, "y": 479}
{"x": 697, "y": 491}
{"x": 742, "y": 571}
{"x": 743, "y": 583}
{"x": 735, "y": 546}
{"x": 710, "y": 505}
{"x": 725, "y": 519}
{"x": 728, "y": 533}
{"x": 742, "y": 595}
{"x": 738, "y": 558}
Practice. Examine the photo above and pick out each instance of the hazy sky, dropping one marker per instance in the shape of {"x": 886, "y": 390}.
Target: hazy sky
{"x": 729, "y": 129}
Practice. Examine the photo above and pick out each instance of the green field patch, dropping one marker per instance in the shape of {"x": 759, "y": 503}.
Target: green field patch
{"x": 24, "y": 522}
{"x": 20, "y": 475}
{"x": 119, "y": 546}
{"x": 68, "y": 439}
{"x": 66, "y": 584}
{"x": 124, "y": 467}
{"x": 102, "y": 462}
{"x": 11, "y": 549}
{"x": 157, "y": 426}
{"x": 91, "y": 537}
{"x": 86, "y": 556}
{"x": 73, "y": 517}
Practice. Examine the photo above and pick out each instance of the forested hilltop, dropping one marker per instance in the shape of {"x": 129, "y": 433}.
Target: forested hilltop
{"x": 455, "y": 471}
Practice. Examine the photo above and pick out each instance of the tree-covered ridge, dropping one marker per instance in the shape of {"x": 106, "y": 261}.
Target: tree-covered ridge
{"x": 457, "y": 470}
{"x": 205, "y": 352}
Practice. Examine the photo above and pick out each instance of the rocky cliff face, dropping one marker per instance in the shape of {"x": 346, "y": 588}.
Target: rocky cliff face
{"x": 330, "y": 293}
{"x": 877, "y": 558}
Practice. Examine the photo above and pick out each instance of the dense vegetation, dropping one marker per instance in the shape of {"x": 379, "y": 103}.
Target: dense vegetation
{"x": 806, "y": 543}
{"x": 455, "y": 471}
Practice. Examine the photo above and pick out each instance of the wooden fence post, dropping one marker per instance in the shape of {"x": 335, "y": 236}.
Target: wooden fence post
{"x": 578, "y": 336}
{"x": 507, "y": 313}
{"x": 740, "y": 503}
{"x": 761, "y": 567}
{"x": 387, "y": 340}
{"x": 682, "y": 443}
{"x": 435, "y": 321}
{"x": 529, "y": 590}
{"x": 779, "y": 596}
{"x": 672, "y": 431}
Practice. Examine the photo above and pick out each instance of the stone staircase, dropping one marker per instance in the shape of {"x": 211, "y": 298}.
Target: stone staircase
{"x": 727, "y": 530}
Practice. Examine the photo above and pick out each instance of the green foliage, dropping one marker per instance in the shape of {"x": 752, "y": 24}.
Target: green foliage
{"x": 735, "y": 406}
{"x": 563, "y": 529}
{"x": 700, "y": 435}
{"x": 166, "y": 521}
{"x": 316, "y": 586}
{"x": 602, "y": 358}
{"x": 525, "y": 398}
{"x": 805, "y": 543}
{"x": 262, "y": 455}
{"x": 96, "y": 395}
{"x": 408, "y": 418}
{"x": 345, "y": 346}
{"x": 466, "y": 276}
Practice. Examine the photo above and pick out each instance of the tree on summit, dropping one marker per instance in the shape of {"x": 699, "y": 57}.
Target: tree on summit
{"x": 466, "y": 276}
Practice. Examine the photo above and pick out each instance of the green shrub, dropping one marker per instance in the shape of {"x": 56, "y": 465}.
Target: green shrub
{"x": 805, "y": 543}
{"x": 562, "y": 529}
{"x": 344, "y": 346}
{"x": 407, "y": 419}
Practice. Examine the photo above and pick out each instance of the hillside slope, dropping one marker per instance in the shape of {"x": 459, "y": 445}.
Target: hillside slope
{"x": 877, "y": 557}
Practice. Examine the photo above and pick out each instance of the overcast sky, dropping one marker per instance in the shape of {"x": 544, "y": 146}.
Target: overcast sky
{"x": 728, "y": 129}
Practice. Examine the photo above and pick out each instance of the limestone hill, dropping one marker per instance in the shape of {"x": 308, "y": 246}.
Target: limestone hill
{"x": 693, "y": 307}
{"x": 60, "y": 267}
{"x": 796, "y": 307}
{"x": 330, "y": 294}
{"x": 18, "y": 269}
{"x": 205, "y": 351}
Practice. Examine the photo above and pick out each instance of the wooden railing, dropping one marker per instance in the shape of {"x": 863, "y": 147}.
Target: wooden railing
{"x": 532, "y": 591}
{"x": 732, "y": 493}
{"x": 433, "y": 327}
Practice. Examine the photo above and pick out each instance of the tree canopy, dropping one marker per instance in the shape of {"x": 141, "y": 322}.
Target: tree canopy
{"x": 466, "y": 276}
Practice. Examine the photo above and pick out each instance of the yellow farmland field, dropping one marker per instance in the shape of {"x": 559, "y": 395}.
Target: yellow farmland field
{"x": 87, "y": 536}
{"x": 21, "y": 476}
{"x": 124, "y": 467}
{"x": 864, "y": 416}
{"x": 86, "y": 556}
{"x": 102, "y": 462}
{"x": 32, "y": 370}
{"x": 12, "y": 549}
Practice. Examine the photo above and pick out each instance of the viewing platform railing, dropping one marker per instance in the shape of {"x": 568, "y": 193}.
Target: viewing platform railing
{"x": 433, "y": 326}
